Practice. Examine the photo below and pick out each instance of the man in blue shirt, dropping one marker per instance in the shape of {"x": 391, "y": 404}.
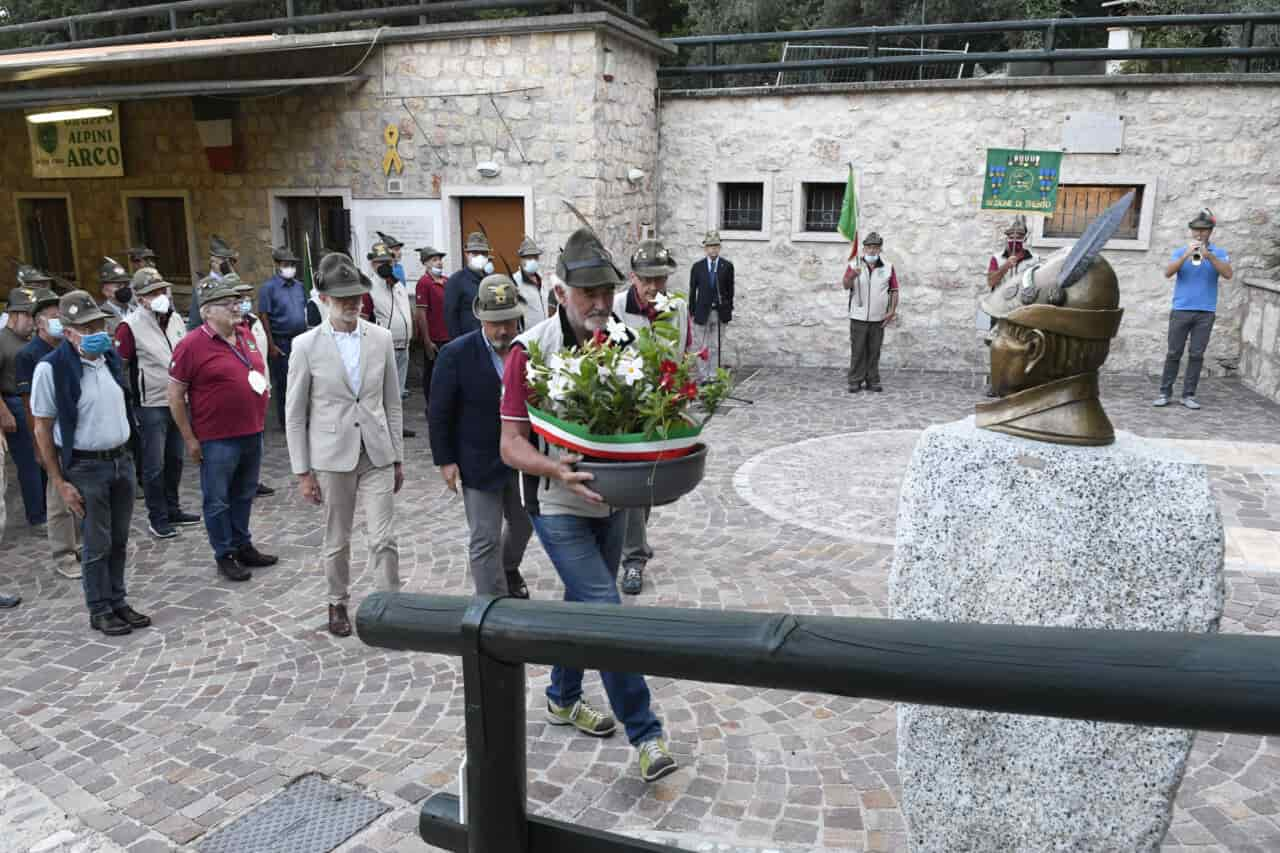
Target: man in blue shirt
{"x": 1198, "y": 266}
{"x": 282, "y": 308}
{"x": 461, "y": 289}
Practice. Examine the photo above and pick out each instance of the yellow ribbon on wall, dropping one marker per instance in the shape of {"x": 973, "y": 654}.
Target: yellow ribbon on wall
{"x": 391, "y": 135}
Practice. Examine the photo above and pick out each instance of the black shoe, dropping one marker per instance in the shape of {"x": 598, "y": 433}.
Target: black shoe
{"x": 109, "y": 624}
{"x": 408, "y": 433}
{"x": 633, "y": 580}
{"x": 516, "y": 587}
{"x": 132, "y": 617}
{"x": 876, "y": 387}
{"x": 264, "y": 490}
{"x": 854, "y": 389}
{"x": 183, "y": 519}
{"x": 9, "y": 601}
{"x": 233, "y": 571}
{"x": 339, "y": 623}
{"x": 165, "y": 532}
{"x": 252, "y": 557}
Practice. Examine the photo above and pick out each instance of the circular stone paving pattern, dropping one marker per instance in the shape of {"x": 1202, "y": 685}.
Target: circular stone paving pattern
{"x": 843, "y": 485}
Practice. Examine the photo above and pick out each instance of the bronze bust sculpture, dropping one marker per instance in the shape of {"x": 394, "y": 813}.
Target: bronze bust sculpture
{"x": 1053, "y": 333}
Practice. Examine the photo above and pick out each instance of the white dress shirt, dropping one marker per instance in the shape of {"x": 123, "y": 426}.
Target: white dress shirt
{"x": 348, "y": 344}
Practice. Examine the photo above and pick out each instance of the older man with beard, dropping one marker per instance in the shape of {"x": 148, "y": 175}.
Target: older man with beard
{"x": 465, "y": 431}
{"x": 580, "y": 533}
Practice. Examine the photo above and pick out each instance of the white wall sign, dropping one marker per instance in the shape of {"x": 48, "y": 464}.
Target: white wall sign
{"x": 414, "y": 221}
{"x": 75, "y": 147}
{"x": 1092, "y": 133}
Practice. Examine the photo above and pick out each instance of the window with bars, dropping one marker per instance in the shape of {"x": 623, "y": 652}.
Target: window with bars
{"x": 822, "y": 204}
{"x": 742, "y": 207}
{"x": 1080, "y": 204}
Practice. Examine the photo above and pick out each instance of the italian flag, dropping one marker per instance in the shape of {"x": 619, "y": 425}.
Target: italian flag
{"x": 849, "y": 215}
{"x": 631, "y": 447}
{"x": 214, "y": 123}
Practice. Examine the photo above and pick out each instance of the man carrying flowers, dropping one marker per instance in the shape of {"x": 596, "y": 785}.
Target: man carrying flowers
{"x": 580, "y": 533}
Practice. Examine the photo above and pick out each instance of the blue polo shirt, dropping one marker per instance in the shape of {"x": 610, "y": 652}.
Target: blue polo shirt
{"x": 1196, "y": 287}
{"x": 284, "y": 304}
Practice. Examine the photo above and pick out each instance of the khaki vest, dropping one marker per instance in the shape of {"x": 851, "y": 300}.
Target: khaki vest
{"x": 154, "y": 351}
{"x": 553, "y": 497}
{"x": 869, "y": 300}
{"x": 391, "y": 311}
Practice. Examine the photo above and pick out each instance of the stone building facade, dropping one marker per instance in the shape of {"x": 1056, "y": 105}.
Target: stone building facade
{"x": 568, "y": 108}
{"x": 919, "y": 150}
{"x": 1260, "y": 336}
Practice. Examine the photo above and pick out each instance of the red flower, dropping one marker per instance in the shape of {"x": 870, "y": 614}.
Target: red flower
{"x": 668, "y": 366}
{"x": 667, "y": 382}
{"x": 704, "y": 354}
{"x": 601, "y": 337}
{"x": 690, "y": 391}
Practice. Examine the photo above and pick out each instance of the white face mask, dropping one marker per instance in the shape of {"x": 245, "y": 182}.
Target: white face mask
{"x": 437, "y": 271}
{"x": 530, "y": 267}
{"x": 871, "y": 259}
{"x": 288, "y": 272}
{"x": 160, "y": 304}
{"x": 246, "y": 307}
{"x": 477, "y": 262}
{"x": 488, "y": 267}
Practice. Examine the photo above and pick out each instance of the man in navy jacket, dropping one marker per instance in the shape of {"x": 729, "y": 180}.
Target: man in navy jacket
{"x": 710, "y": 303}
{"x": 466, "y": 390}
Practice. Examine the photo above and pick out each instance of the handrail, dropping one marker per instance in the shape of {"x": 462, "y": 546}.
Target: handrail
{"x": 1206, "y": 681}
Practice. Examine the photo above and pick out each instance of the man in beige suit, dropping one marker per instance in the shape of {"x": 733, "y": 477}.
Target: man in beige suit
{"x": 344, "y": 423}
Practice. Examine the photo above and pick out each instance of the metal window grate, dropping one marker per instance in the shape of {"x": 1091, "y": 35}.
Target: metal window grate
{"x": 742, "y": 207}
{"x": 309, "y": 816}
{"x": 822, "y": 204}
{"x": 1080, "y": 204}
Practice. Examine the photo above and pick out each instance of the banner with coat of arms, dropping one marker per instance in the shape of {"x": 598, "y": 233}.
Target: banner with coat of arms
{"x": 78, "y": 147}
{"x": 1022, "y": 181}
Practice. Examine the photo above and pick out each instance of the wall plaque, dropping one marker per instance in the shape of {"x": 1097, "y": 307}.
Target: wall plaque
{"x": 1092, "y": 133}
{"x": 74, "y": 147}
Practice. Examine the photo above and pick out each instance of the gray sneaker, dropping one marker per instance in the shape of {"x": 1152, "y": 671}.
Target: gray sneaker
{"x": 656, "y": 760}
{"x": 633, "y": 579}
{"x": 582, "y": 717}
{"x": 1190, "y": 403}
{"x": 1161, "y": 401}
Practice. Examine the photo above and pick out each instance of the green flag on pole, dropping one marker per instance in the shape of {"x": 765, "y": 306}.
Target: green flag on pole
{"x": 849, "y": 213}
{"x": 307, "y": 278}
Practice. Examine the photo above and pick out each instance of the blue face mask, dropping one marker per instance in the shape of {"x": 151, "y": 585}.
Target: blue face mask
{"x": 398, "y": 270}
{"x": 95, "y": 344}
{"x": 55, "y": 327}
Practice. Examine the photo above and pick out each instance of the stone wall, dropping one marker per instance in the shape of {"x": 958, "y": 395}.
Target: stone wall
{"x": 575, "y": 134}
{"x": 921, "y": 154}
{"x": 1260, "y": 340}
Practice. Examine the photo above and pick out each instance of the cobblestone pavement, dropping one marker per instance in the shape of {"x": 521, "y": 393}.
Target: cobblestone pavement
{"x": 149, "y": 741}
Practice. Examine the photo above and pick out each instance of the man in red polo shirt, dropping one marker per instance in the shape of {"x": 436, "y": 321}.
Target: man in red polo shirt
{"x": 218, "y": 393}
{"x": 433, "y": 331}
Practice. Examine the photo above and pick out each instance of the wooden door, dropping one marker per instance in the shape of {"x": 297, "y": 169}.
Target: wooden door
{"x": 161, "y": 225}
{"x": 503, "y": 220}
{"x": 47, "y": 224}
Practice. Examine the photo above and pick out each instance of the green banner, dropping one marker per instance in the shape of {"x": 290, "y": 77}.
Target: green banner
{"x": 1022, "y": 181}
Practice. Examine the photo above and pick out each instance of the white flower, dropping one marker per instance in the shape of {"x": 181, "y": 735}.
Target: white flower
{"x": 665, "y": 303}
{"x": 631, "y": 370}
{"x": 603, "y": 372}
{"x": 573, "y": 366}
{"x": 530, "y": 372}
{"x": 555, "y": 363}
{"x": 618, "y": 331}
{"x": 559, "y": 388}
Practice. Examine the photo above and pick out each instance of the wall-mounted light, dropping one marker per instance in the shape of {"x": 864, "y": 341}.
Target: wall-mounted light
{"x": 69, "y": 114}
{"x": 635, "y": 175}
{"x": 489, "y": 169}
{"x": 608, "y": 65}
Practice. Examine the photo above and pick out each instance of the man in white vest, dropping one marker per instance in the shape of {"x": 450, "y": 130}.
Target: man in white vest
{"x": 581, "y": 534}
{"x": 651, "y": 265}
{"x": 145, "y": 340}
{"x": 343, "y": 421}
{"x": 387, "y": 305}
{"x": 528, "y": 280}
{"x": 873, "y": 302}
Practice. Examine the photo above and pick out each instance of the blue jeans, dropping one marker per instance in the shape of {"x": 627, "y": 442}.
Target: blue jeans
{"x": 229, "y": 481}
{"x": 586, "y": 553}
{"x": 22, "y": 447}
{"x": 106, "y": 486}
{"x": 279, "y": 367}
{"x": 162, "y": 450}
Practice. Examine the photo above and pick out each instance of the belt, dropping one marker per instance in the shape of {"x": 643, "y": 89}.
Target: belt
{"x": 102, "y": 455}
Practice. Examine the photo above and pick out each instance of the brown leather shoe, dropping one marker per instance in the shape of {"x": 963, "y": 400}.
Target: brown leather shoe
{"x": 339, "y": 624}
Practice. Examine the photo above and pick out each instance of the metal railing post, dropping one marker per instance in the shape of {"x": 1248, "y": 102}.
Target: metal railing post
{"x": 1246, "y": 40}
{"x": 1050, "y": 37}
{"x": 173, "y": 18}
{"x": 71, "y": 30}
{"x": 711, "y": 77}
{"x": 873, "y": 50}
{"x": 631, "y": 7}
{"x": 494, "y": 692}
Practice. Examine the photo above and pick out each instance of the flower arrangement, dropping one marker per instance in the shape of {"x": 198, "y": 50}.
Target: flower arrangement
{"x": 613, "y": 401}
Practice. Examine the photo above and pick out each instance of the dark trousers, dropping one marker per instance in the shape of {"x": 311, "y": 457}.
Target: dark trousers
{"x": 864, "y": 352}
{"x": 162, "y": 449}
{"x": 428, "y": 367}
{"x": 229, "y": 481}
{"x": 22, "y": 447}
{"x": 279, "y": 367}
{"x": 107, "y": 487}
{"x": 1196, "y": 325}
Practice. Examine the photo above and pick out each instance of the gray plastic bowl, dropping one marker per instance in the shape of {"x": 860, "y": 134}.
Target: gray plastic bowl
{"x": 639, "y": 484}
